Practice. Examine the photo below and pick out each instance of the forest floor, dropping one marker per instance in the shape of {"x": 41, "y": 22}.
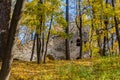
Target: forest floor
{"x": 105, "y": 68}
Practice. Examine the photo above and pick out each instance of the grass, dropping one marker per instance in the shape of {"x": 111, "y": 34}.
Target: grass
{"x": 105, "y": 68}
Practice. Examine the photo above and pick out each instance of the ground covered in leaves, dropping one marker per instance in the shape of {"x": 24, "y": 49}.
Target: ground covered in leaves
{"x": 105, "y": 68}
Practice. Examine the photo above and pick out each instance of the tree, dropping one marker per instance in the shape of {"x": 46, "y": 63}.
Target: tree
{"x": 67, "y": 51}
{"x": 37, "y": 16}
{"x": 8, "y": 58}
{"x": 79, "y": 26}
{"x": 48, "y": 39}
{"x": 106, "y": 22}
{"x": 116, "y": 24}
{"x": 4, "y": 23}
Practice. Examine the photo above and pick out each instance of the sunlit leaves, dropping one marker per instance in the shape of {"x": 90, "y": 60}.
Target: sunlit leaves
{"x": 35, "y": 12}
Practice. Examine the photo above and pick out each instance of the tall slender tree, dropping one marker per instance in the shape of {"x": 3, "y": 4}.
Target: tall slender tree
{"x": 116, "y": 25}
{"x": 106, "y": 22}
{"x": 67, "y": 49}
{"x": 79, "y": 26}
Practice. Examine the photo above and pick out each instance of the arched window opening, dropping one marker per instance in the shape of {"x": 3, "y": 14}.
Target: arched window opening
{"x": 78, "y": 42}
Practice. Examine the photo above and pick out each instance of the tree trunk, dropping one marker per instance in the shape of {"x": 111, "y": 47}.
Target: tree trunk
{"x": 79, "y": 26}
{"x": 7, "y": 61}
{"x": 43, "y": 44}
{"x": 112, "y": 42}
{"x": 38, "y": 44}
{"x": 106, "y": 21}
{"x": 46, "y": 47}
{"x": 116, "y": 25}
{"x": 104, "y": 46}
{"x": 80, "y": 30}
{"x": 5, "y": 8}
{"x": 67, "y": 49}
{"x": 33, "y": 48}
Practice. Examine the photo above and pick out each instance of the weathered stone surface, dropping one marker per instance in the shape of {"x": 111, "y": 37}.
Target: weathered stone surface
{"x": 56, "y": 47}
{"x": 23, "y": 52}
